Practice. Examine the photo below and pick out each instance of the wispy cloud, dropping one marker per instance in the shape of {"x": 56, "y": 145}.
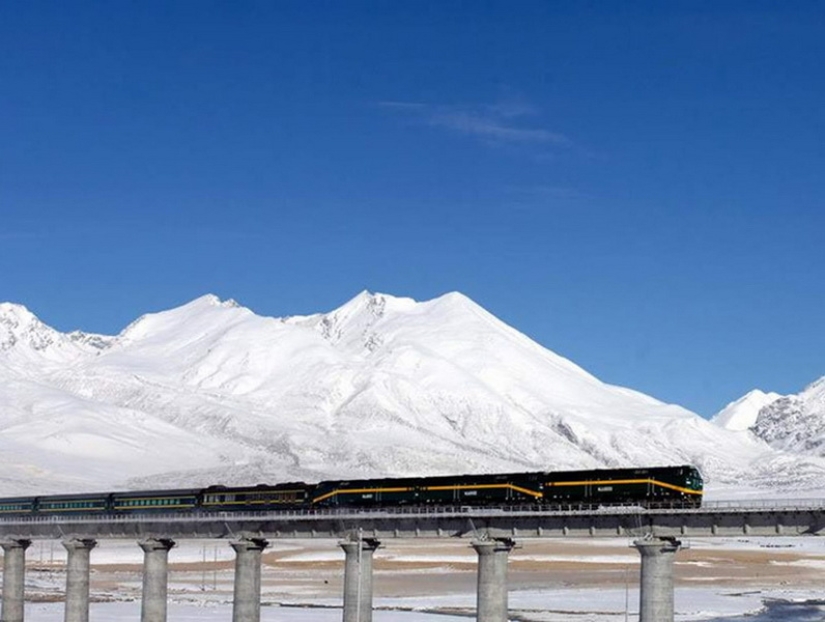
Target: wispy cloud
{"x": 499, "y": 123}
{"x": 25, "y": 235}
{"x": 551, "y": 192}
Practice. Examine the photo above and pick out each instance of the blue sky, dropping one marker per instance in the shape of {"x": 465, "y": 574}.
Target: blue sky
{"x": 638, "y": 186}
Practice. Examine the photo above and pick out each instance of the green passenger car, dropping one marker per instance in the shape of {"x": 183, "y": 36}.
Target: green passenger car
{"x": 155, "y": 501}
{"x": 91, "y": 503}
{"x": 17, "y": 506}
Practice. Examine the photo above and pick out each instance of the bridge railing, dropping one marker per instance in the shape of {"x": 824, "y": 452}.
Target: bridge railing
{"x": 309, "y": 515}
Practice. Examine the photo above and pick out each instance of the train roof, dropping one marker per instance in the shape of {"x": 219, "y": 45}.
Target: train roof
{"x": 157, "y": 492}
{"x": 258, "y": 487}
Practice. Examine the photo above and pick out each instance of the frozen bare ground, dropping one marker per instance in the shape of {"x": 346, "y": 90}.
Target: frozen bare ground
{"x": 570, "y": 605}
{"x": 434, "y": 581}
{"x": 129, "y": 612}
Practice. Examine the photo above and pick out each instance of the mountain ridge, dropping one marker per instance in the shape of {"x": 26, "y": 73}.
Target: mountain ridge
{"x": 379, "y": 386}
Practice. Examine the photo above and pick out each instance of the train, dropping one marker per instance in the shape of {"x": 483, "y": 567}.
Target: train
{"x": 668, "y": 486}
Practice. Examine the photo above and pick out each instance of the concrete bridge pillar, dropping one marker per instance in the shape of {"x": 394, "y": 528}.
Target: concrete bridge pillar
{"x": 247, "y": 602}
{"x": 656, "y": 587}
{"x": 155, "y": 578}
{"x": 77, "y": 579}
{"x": 14, "y": 574}
{"x": 358, "y": 578}
{"x": 491, "y": 596}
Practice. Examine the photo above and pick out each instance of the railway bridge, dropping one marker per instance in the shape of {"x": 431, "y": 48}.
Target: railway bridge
{"x": 493, "y": 532}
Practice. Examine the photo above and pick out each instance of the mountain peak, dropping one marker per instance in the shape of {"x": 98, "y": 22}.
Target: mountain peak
{"x": 210, "y": 300}
{"x": 742, "y": 414}
{"x": 23, "y": 334}
{"x": 205, "y": 310}
{"x": 796, "y": 422}
{"x": 817, "y": 387}
{"x": 373, "y": 303}
{"x": 355, "y": 320}
{"x": 18, "y": 326}
{"x": 10, "y": 311}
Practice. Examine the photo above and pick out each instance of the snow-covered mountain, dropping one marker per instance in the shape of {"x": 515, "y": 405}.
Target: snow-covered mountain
{"x": 210, "y": 392}
{"x": 796, "y": 422}
{"x": 742, "y": 413}
{"x": 791, "y": 423}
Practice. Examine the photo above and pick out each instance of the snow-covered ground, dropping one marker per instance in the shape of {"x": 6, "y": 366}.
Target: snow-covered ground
{"x": 130, "y": 612}
{"x": 581, "y": 580}
{"x": 565, "y": 605}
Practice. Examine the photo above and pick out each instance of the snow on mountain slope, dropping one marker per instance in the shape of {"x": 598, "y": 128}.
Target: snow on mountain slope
{"x": 25, "y": 341}
{"x": 742, "y": 413}
{"x": 796, "y": 422}
{"x": 210, "y": 392}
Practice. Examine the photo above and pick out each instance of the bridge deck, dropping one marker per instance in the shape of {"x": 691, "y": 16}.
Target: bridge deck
{"x": 775, "y": 518}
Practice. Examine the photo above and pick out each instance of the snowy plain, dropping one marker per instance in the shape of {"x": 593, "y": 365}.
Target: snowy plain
{"x": 435, "y": 582}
